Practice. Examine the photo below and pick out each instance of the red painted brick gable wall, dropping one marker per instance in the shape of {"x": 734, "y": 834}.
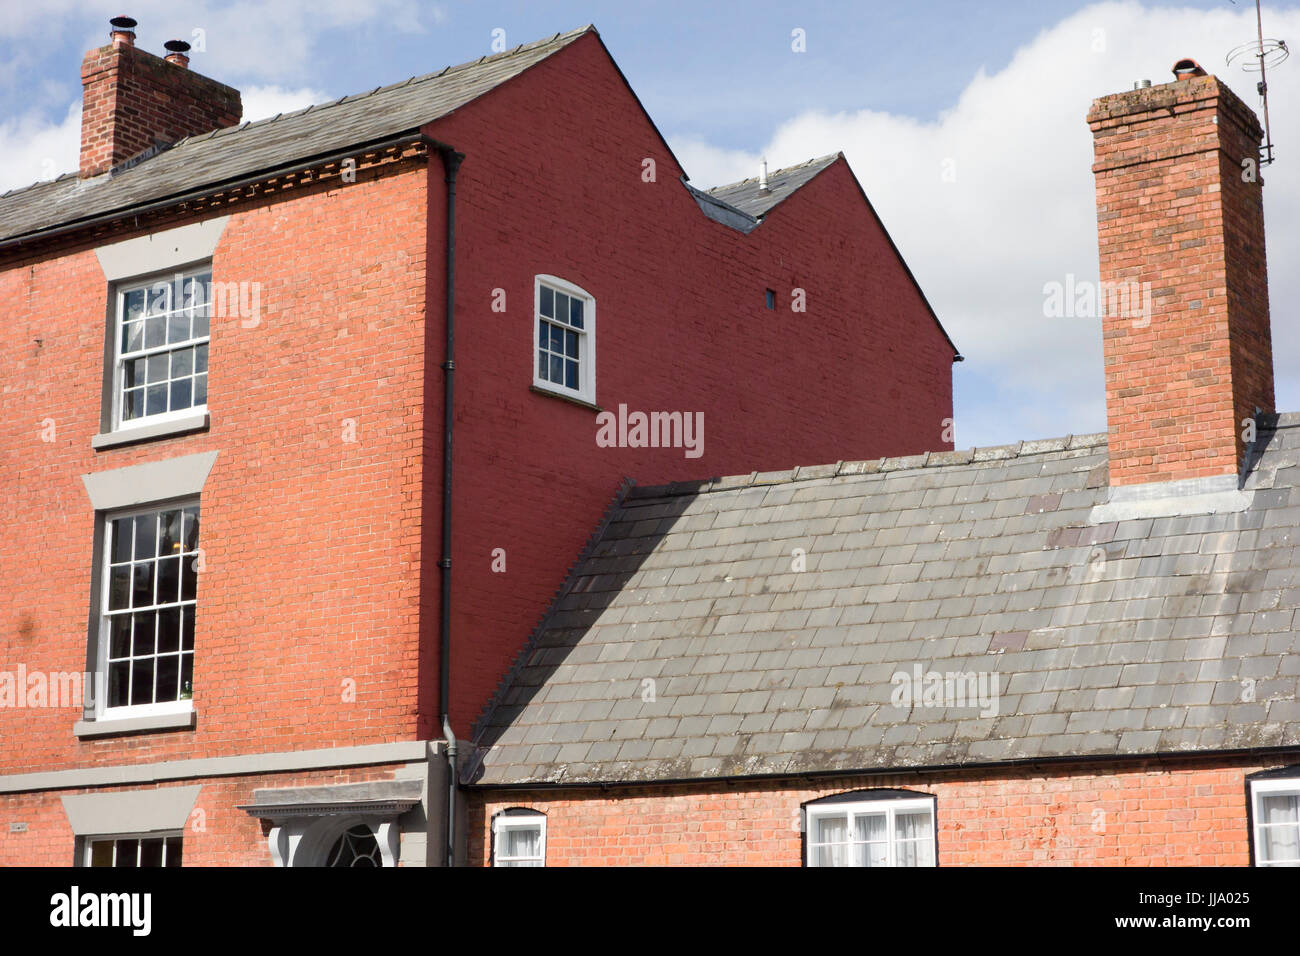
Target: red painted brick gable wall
{"x": 552, "y": 184}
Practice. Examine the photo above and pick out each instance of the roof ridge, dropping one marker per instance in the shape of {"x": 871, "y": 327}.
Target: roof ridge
{"x": 930, "y": 459}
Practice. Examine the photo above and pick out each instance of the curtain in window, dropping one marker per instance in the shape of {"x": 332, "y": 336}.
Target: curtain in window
{"x": 834, "y": 831}
{"x": 872, "y": 840}
{"x": 522, "y": 842}
{"x": 1280, "y": 839}
{"x": 915, "y": 841}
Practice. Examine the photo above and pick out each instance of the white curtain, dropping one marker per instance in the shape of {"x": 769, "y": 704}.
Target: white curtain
{"x": 1281, "y": 838}
{"x": 872, "y": 840}
{"x": 915, "y": 843}
{"x": 833, "y": 834}
{"x": 522, "y": 842}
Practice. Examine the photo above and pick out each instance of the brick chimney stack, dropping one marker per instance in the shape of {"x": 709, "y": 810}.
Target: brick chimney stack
{"x": 132, "y": 100}
{"x": 1179, "y": 206}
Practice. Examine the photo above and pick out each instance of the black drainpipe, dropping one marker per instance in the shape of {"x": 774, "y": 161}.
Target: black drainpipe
{"x": 451, "y": 163}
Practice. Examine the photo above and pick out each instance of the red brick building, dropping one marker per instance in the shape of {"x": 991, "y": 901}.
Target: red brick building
{"x": 231, "y": 399}
{"x": 1073, "y": 651}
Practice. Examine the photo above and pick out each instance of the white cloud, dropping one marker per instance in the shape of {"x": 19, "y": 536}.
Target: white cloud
{"x": 1022, "y": 212}
{"x": 36, "y": 150}
{"x": 263, "y": 101}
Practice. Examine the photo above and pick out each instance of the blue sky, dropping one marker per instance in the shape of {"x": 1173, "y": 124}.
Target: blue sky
{"x": 996, "y": 90}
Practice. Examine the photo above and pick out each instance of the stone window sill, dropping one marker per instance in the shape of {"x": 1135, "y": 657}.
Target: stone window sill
{"x": 112, "y": 726}
{"x": 565, "y": 398}
{"x": 129, "y": 436}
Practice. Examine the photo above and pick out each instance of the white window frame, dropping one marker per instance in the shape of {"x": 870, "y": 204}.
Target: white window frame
{"x": 532, "y": 820}
{"x": 102, "y": 710}
{"x": 1259, "y": 788}
{"x": 88, "y": 843}
{"x": 118, "y": 372}
{"x": 890, "y": 806}
{"x": 586, "y": 391}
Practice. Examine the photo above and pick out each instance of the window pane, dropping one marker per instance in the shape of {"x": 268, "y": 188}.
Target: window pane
{"x": 101, "y": 853}
{"x": 189, "y": 579}
{"x": 169, "y": 524}
{"x": 119, "y": 588}
{"x": 144, "y": 634}
{"x": 200, "y": 390}
{"x": 541, "y": 364}
{"x": 187, "y": 673}
{"x": 522, "y": 841}
{"x": 119, "y": 684}
{"x": 571, "y": 375}
{"x": 182, "y": 363}
{"x": 169, "y": 573}
{"x": 548, "y": 302}
{"x": 169, "y": 630}
{"x": 173, "y": 851}
{"x": 146, "y": 536}
{"x": 156, "y": 400}
{"x": 200, "y": 358}
{"x": 180, "y": 397}
{"x": 571, "y": 344}
{"x": 142, "y": 681}
{"x": 133, "y": 404}
{"x": 132, "y": 336}
{"x": 1280, "y": 808}
{"x": 169, "y": 670}
{"x": 575, "y": 313}
{"x": 151, "y": 852}
{"x": 128, "y": 852}
{"x": 134, "y": 372}
{"x": 142, "y": 584}
{"x": 119, "y": 641}
{"x": 915, "y": 845}
{"x": 158, "y": 298}
{"x": 832, "y": 834}
{"x": 133, "y": 305}
{"x": 561, "y": 306}
{"x": 155, "y": 331}
{"x": 157, "y": 368}
{"x": 178, "y": 327}
{"x": 191, "y": 528}
{"x": 187, "y": 628}
{"x": 557, "y": 369}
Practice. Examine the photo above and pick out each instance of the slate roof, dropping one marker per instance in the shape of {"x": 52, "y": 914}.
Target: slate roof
{"x": 244, "y": 150}
{"x": 1129, "y": 638}
{"x": 781, "y": 185}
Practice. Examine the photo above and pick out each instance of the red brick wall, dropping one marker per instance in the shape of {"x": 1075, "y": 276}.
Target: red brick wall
{"x": 552, "y": 184}
{"x": 1138, "y": 815}
{"x": 1174, "y": 211}
{"x": 312, "y": 544}
{"x": 131, "y": 99}
{"x": 217, "y": 832}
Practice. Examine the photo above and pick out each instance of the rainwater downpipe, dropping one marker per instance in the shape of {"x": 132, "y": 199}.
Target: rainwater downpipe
{"x": 451, "y": 161}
